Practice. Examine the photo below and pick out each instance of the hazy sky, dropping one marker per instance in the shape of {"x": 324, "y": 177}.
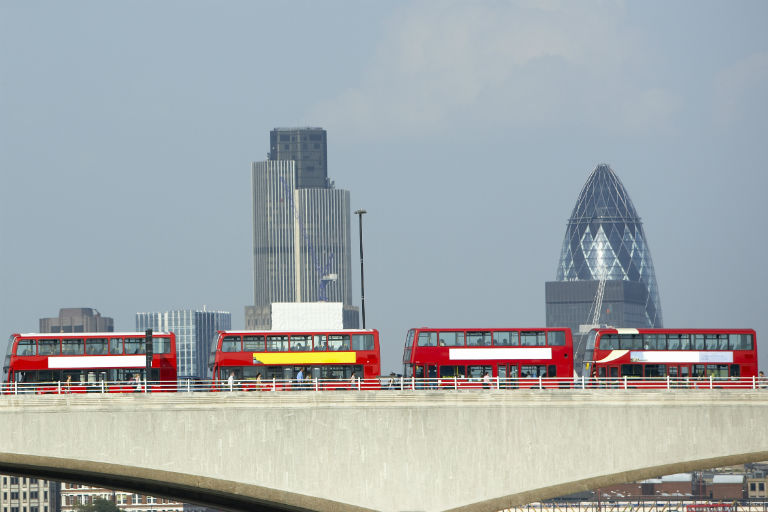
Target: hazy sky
{"x": 466, "y": 129}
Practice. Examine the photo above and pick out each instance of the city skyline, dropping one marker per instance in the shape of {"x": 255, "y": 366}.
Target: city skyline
{"x": 464, "y": 130}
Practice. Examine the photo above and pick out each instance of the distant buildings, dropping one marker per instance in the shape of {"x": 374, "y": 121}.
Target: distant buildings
{"x": 604, "y": 241}
{"x": 77, "y": 320}
{"x": 195, "y": 331}
{"x": 301, "y": 229}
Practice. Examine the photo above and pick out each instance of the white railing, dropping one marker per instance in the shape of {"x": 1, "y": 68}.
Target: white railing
{"x": 385, "y": 383}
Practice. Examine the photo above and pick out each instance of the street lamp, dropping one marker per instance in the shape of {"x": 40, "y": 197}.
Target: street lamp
{"x": 359, "y": 214}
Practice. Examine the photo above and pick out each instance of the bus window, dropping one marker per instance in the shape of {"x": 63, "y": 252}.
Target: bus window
{"x": 685, "y": 342}
{"x": 96, "y": 346}
{"x": 48, "y": 347}
{"x": 362, "y": 342}
{"x": 452, "y": 371}
{"x": 717, "y": 370}
{"x": 26, "y": 348}
{"x": 551, "y": 371}
{"x": 409, "y": 338}
{"x": 134, "y": 346}
{"x": 477, "y": 371}
{"x": 427, "y": 339}
{"x": 479, "y": 339}
{"x": 698, "y": 370}
{"x": 735, "y": 370}
{"x": 655, "y": 370}
{"x": 556, "y": 338}
{"x": 722, "y": 342}
{"x": 698, "y": 342}
{"x": 116, "y": 345}
{"x": 533, "y": 370}
{"x": 451, "y": 339}
{"x": 630, "y": 341}
{"x": 338, "y": 342}
{"x": 418, "y": 371}
{"x": 609, "y": 342}
{"x": 72, "y": 346}
{"x": 507, "y": 338}
{"x": 277, "y": 343}
{"x": 230, "y": 344}
{"x": 631, "y": 370}
{"x": 301, "y": 342}
{"x": 533, "y": 338}
{"x": 711, "y": 341}
{"x": 253, "y": 343}
{"x": 161, "y": 345}
{"x": 673, "y": 342}
{"x": 321, "y": 343}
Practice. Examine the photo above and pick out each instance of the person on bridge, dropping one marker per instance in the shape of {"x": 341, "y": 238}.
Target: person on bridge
{"x": 762, "y": 380}
{"x": 300, "y": 378}
{"x": 231, "y": 380}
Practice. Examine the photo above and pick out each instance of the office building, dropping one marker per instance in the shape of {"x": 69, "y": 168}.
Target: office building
{"x": 19, "y": 494}
{"x": 74, "y": 496}
{"x": 77, "y": 320}
{"x": 301, "y": 229}
{"x": 605, "y": 264}
{"x": 195, "y": 331}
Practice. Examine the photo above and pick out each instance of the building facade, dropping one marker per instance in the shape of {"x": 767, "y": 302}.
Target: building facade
{"x": 74, "y": 496}
{"x": 77, "y": 320}
{"x": 21, "y": 494}
{"x": 301, "y": 229}
{"x": 605, "y": 248}
{"x": 195, "y": 331}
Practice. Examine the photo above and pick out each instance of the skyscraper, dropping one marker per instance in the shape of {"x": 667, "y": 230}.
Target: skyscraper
{"x": 604, "y": 244}
{"x": 77, "y": 320}
{"x": 195, "y": 331}
{"x": 301, "y": 228}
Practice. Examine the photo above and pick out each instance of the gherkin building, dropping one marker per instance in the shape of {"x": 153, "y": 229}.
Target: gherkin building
{"x": 604, "y": 240}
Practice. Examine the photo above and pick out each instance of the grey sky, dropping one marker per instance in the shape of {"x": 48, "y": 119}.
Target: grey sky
{"x": 466, "y": 129}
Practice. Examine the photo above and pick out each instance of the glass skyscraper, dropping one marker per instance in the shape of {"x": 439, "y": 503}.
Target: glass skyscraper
{"x": 195, "y": 331}
{"x": 604, "y": 240}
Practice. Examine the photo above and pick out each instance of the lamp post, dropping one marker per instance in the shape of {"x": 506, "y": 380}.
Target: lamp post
{"x": 359, "y": 214}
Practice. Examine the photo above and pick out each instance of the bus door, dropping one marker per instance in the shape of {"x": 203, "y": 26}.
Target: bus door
{"x": 508, "y": 375}
{"x": 432, "y": 376}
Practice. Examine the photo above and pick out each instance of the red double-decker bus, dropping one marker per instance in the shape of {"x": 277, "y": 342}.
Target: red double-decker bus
{"x": 43, "y": 362}
{"x": 273, "y": 359}
{"x": 679, "y": 354}
{"x": 511, "y": 356}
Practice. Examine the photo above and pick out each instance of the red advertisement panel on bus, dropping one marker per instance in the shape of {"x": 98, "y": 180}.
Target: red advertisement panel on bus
{"x": 517, "y": 356}
{"x": 327, "y": 359}
{"x": 83, "y": 360}
{"x": 679, "y": 354}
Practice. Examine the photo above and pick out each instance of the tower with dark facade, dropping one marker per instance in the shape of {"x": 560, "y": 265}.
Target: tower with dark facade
{"x": 604, "y": 241}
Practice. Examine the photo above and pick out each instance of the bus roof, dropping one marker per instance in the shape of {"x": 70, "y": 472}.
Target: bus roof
{"x": 73, "y": 334}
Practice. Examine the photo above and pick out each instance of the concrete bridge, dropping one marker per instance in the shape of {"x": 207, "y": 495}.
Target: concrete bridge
{"x": 480, "y": 450}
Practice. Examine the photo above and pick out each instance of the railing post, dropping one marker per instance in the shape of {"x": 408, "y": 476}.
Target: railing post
{"x": 497, "y": 382}
{"x": 754, "y": 382}
{"x": 541, "y": 386}
{"x": 102, "y": 387}
{"x": 15, "y": 387}
{"x": 188, "y": 385}
{"x": 583, "y": 383}
{"x": 358, "y": 383}
{"x": 274, "y": 384}
{"x": 317, "y": 384}
{"x": 455, "y": 382}
{"x": 146, "y": 390}
{"x": 58, "y": 388}
{"x": 625, "y": 382}
{"x": 668, "y": 383}
{"x": 711, "y": 379}
{"x": 413, "y": 383}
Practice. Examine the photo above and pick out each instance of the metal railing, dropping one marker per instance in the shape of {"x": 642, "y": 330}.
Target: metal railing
{"x": 385, "y": 383}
